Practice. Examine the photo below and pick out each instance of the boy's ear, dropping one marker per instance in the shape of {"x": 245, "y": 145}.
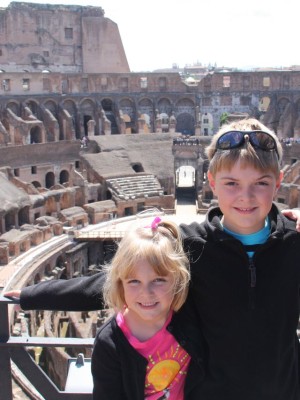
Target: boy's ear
{"x": 279, "y": 180}
{"x": 211, "y": 181}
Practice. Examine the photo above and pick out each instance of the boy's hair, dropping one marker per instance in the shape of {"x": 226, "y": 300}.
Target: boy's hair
{"x": 162, "y": 248}
{"x": 247, "y": 154}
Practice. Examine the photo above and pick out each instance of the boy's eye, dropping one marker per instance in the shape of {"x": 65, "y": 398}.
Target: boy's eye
{"x": 230, "y": 183}
{"x": 263, "y": 183}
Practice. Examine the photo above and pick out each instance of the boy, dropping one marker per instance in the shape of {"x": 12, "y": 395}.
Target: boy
{"x": 245, "y": 273}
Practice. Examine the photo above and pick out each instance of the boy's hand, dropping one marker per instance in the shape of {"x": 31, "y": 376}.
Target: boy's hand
{"x": 293, "y": 214}
{"x": 13, "y": 293}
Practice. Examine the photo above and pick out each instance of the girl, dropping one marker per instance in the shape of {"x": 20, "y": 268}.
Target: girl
{"x": 135, "y": 356}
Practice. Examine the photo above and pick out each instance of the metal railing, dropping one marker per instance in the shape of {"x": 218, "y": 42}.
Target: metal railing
{"x": 14, "y": 348}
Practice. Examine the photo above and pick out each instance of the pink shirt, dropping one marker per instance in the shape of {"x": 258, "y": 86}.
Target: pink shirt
{"x": 167, "y": 362}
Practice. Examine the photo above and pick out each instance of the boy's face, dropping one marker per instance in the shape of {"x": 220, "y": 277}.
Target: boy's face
{"x": 245, "y": 196}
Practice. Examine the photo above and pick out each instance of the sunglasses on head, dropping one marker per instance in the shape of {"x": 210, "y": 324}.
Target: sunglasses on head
{"x": 258, "y": 139}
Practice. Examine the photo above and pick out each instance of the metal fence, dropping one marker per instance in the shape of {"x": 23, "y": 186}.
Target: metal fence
{"x": 13, "y": 348}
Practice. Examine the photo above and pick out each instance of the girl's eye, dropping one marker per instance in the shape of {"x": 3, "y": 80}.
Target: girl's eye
{"x": 160, "y": 280}
{"x": 132, "y": 282}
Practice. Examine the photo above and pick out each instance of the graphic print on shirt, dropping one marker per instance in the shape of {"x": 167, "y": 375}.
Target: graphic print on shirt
{"x": 166, "y": 371}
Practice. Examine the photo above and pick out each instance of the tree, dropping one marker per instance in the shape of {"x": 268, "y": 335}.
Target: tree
{"x": 224, "y": 118}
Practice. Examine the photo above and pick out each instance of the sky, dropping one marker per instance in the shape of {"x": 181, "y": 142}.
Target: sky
{"x": 229, "y": 33}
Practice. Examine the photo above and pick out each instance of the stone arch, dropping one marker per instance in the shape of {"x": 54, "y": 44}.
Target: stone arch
{"x": 164, "y": 122}
{"x": 285, "y": 118}
{"x": 185, "y": 105}
{"x": 281, "y": 105}
{"x": 64, "y": 177}
{"x": 33, "y": 105}
{"x": 87, "y": 105}
{"x": 87, "y": 110}
{"x": 23, "y": 216}
{"x": 49, "y": 180}
{"x": 146, "y": 109}
{"x": 185, "y": 124}
{"x": 9, "y": 220}
{"x": 52, "y": 107}
{"x": 70, "y": 106}
{"x": 128, "y": 108}
{"x": 4, "y": 132}
{"x": 107, "y": 104}
{"x": 60, "y": 262}
{"x": 36, "y": 135}
{"x": 36, "y": 184}
{"x": 15, "y": 107}
{"x": 127, "y": 121}
{"x": 147, "y": 119}
{"x": 48, "y": 270}
{"x": 37, "y": 278}
{"x": 108, "y": 107}
{"x": 164, "y": 106}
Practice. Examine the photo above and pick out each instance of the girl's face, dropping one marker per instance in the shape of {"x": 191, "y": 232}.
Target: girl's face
{"x": 148, "y": 296}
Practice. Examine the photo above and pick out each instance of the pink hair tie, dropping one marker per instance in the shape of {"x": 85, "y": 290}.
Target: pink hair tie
{"x": 154, "y": 224}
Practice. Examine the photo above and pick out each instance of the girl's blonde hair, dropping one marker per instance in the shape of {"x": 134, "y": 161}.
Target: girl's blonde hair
{"x": 246, "y": 154}
{"x": 160, "y": 246}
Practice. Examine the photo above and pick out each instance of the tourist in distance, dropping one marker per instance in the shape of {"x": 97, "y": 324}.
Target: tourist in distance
{"x": 245, "y": 275}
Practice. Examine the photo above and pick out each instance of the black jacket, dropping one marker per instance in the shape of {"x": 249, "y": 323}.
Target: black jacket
{"x": 119, "y": 371}
{"x": 248, "y": 313}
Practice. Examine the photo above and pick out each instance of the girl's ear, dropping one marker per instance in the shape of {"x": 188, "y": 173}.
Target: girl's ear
{"x": 211, "y": 181}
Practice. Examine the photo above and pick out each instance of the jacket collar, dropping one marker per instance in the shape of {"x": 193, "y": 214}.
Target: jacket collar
{"x": 214, "y": 230}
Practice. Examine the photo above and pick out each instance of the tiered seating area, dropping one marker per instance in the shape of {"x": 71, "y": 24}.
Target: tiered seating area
{"x": 131, "y": 187}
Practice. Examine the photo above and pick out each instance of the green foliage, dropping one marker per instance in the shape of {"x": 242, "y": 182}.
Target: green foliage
{"x": 223, "y": 118}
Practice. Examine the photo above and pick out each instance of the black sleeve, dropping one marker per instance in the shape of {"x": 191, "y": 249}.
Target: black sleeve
{"x": 75, "y": 294}
{"x": 107, "y": 372}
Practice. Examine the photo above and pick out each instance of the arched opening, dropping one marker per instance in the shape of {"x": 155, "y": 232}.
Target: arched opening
{"x": 36, "y": 184}
{"x": 35, "y": 135}
{"x": 128, "y": 108}
{"x": 86, "y": 119}
{"x": 164, "y": 122}
{"x": 164, "y": 106}
{"x": 63, "y": 177}
{"x": 137, "y": 167}
{"x": 108, "y": 108}
{"x": 9, "y": 221}
{"x": 23, "y": 216}
{"x": 33, "y": 107}
{"x": 48, "y": 270}
{"x": 49, "y": 180}
{"x": 37, "y": 279}
{"x": 146, "y": 108}
{"x": 185, "y": 124}
{"x": 107, "y": 104}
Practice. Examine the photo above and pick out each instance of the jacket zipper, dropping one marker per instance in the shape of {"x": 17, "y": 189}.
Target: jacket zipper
{"x": 252, "y": 283}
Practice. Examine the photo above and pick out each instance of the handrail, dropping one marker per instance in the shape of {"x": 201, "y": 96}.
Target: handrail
{"x": 14, "y": 348}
